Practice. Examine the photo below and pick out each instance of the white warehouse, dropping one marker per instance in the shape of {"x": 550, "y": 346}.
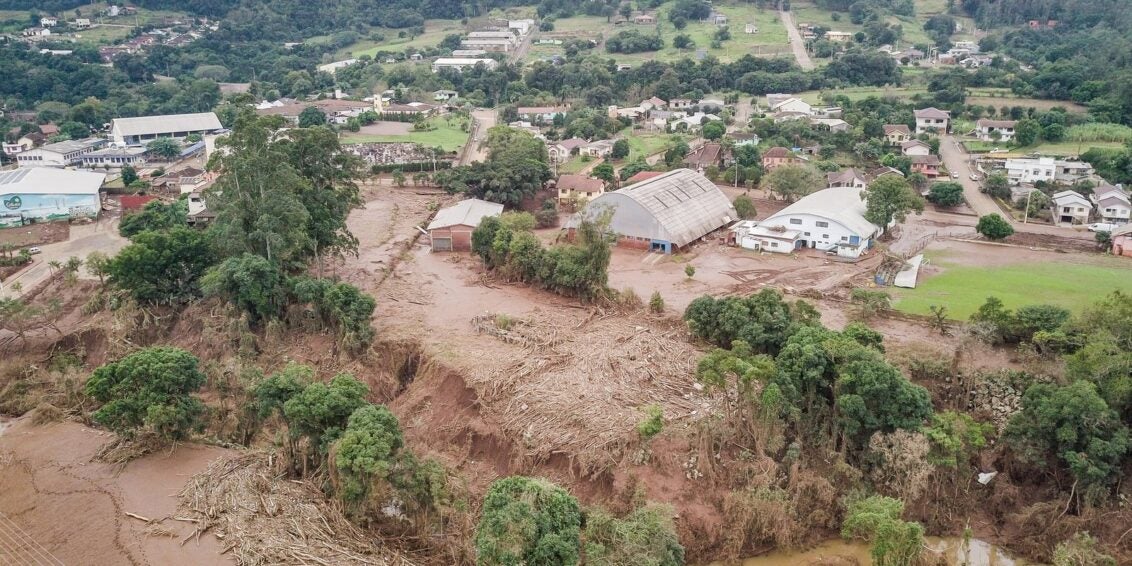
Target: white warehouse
{"x": 829, "y": 220}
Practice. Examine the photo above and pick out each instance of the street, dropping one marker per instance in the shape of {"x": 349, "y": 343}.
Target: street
{"x": 482, "y": 121}
{"x": 958, "y": 160}
{"x": 100, "y": 236}
{"x": 796, "y": 42}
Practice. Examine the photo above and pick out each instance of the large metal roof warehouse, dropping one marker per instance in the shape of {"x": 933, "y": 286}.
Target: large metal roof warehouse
{"x": 663, "y": 213}
{"x": 134, "y": 131}
{"x": 45, "y": 193}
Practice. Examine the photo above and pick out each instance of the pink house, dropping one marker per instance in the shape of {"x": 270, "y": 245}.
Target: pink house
{"x": 1122, "y": 241}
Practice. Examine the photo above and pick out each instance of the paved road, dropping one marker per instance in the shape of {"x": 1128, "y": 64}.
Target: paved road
{"x": 958, "y": 160}
{"x": 482, "y": 121}
{"x": 743, "y": 112}
{"x": 796, "y": 41}
{"x": 524, "y": 46}
{"x": 101, "y": 236}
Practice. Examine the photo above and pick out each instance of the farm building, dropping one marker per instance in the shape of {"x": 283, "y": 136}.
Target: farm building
{"x": 451, "y": 230}
{"x": 829, "y": 220}
{"x": 44, "y": 193}
{"x": 135, "y": 131}
{"x": 663, "y": 213}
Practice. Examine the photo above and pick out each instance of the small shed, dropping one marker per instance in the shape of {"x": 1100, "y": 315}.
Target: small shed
{"x": 451, "y": 230}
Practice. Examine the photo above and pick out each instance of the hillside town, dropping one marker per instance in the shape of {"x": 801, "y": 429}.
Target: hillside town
{"x": 537, "y": 282}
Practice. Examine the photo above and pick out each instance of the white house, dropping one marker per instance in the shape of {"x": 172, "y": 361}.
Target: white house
{"x": 81, "y": 23}
{"x": 830, "y": 219}
{"x": 37, "y": 32}
{"x": 540, "y": 114}
{"x": 444, "y": 95}
{"x": 136, "y": 131}
{"x": 792, "y": 104}
{"x": 1112, "y": 204}
{"x": 846, "y": 178}
{"x": 460, "y": 63}
{"x": 985, "y": 130}
{"x": 1030, "y": 171}
{"x": 523, "y": 27}
{"x": 831, "y": 124}
{"x": 693, "y": 122}
{"x": 61, "y": 154}
{"x": 915, "y": 147}
{"x": 1069, "y": 208}
{"x": 932, "y": 120}
{"x": 48, "y": 21}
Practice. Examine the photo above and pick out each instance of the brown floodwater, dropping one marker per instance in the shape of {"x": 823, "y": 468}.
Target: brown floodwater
{"x": 838, "y": 552}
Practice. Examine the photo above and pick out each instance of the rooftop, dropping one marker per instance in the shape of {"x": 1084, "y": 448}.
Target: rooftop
{"x": 147, "y": 125}
{"x": 580, "y": 183}
{"x": 50, "y": 181}
{"x": 841, "y": 204}
{"x": 932, "y": 112}
{"x": 465, "y": 213}
{"x": 73, "y": 145}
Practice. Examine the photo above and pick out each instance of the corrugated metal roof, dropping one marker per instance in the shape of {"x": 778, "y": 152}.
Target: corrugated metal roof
{"x": 684, "y": 205}
{"x": 49, "y": 181}
{"x": 149, "y": 125}
{"x": 465, "y": 213}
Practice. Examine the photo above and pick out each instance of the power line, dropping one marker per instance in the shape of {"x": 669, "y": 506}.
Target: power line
{"x": 13, "y": 539}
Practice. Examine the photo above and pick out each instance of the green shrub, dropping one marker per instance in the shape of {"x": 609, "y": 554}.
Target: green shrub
{"x": 656, "y": 303}
{"x": 528, "y": 521}
{"x": 149, "y": 389}
{"x": 653, "y": 423}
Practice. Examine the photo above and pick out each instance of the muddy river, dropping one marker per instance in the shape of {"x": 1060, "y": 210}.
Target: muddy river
{"x": 840, "y": 553}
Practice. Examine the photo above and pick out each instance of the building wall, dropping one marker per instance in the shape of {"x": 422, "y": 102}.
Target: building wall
{"x": 17, "y": 206}
{"x": 40, "y": 158}
{"x": 461, "y": 237}
{"x": 923, "y": 125}
{"x": 821, "y": 237}
{"x": 1122, "y": 245}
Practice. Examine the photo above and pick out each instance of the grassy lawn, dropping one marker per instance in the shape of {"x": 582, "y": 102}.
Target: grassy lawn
{"x": 448, "y": 135}
{"x": 861, "y": 93}
{"x": 645, "y": 144}
{"x": 962, "y": 289}
{"x": 575, "y": 165}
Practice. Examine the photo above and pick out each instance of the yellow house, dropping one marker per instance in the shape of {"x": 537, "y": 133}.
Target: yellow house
{"x": 579, "y": 188}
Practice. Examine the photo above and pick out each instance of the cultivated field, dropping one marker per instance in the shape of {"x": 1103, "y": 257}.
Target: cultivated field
{"x": 962, "y": 275}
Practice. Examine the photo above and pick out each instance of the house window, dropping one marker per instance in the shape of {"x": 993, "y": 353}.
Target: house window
{"x": 797, "y": 221}
{"x": 822, "y": 224}
{"x": 774, "y": 244}
{"x": 825, "y": 236}
{"x": 845, "y": 238}
{"x": 807, "y": 233}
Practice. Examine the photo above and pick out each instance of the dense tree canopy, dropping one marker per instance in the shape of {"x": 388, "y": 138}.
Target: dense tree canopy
{"x": 528, "y": 521}
{"x": 149, "y": 390}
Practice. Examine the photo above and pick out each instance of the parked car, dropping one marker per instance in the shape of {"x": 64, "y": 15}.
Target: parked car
{"x": 1102, "y": 227}
{"x": 34, "y": 250}
{"x": 974, "y": 177}
{"x": 954, "y": 174}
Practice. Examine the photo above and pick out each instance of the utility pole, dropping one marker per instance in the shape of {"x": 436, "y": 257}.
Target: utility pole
{"x": 1026, "y": 218}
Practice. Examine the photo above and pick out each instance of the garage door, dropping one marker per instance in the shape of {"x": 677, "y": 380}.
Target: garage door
{"x": 442, "y": 244}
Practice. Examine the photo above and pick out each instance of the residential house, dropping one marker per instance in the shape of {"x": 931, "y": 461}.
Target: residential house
{"x": 915, "y": 147}
{"x": 995, "y": 130}
{"x": 451, "y": 229}
{"x": 932, "y": 121}
{"x": 645, "y": 20}
{"x": 830, "y": 220}
{"x": 926, "y": 165}
{"x": 37, "y": 32}
{"x": 61, "y": 154}
{"x": 49, "y": 130}
{"x": 1070, "y": 208}
{"x": 541, "y": 114}
{"x": 1070, "y": 172}
{"x": 742, "y": 138}
{"x": 81, "y": 23}
{"x": 839, "y": 36}
{"x": 883, "y": 171}
{"x": 654, "y": 103}
{"x": 896, "y": 134}
{"x": 48, "y": 21}
{"x": 1113, "y": 205}
{"x": 599, "y": 149}
{"x": 332, "y": 68}
{"x": 1030, "y": 171}
{"x": 776, "y": 157}
{"x": 718, "y": 19}
{"x": 680, "y": 103}
{"x": 460, "y": 63}
{"x": 578, "y": 189}
{"x": 750, "y": 28}
{"x": 694, "y": 122}
{"x": 199, "y": 213}
{"x": 846, "y": 178}
{"x": 1122, "y": 241}
{"x": 561, "y": 151}
{"x": 444, "y": 95}
{"x": 710, "y": 154}
{"x": 634, "y": 113}
{"x": 30, "y": 141}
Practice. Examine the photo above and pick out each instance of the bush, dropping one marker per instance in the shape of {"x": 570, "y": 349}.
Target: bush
{"x": 645, "y": 537}
{"x": 946, "y": 194}
{"x": 367, "y": 450}
{"x": 656, "y": 303}
{"x": 869, "y": 303}
{"x": 690, "y": 271}
{"x": 528, "y": 521}
{"x": 653, "y": 423}
{"x": 149, "y": 389}
{"x": 994, "y": 227}
{"x": 745, "y": 207}
{"x": 877, "y": 519}
{"x": 320, "y": 412}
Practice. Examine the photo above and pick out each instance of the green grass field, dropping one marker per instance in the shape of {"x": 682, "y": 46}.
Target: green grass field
{"x": 962, "y": 289}
{"x": 1062, "y": 148}
{"x": 435, "y": 30}
{"x": 575, "y": 165}
{"x": 645, "y": 144}
{"x": 861, "y": 93}
{"x": 449, "y": 136}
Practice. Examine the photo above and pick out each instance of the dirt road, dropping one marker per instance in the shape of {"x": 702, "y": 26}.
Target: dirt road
{"x": 101, "y": 236}
{"x": 796, "y": 42}
{"x": 482, "y": 121}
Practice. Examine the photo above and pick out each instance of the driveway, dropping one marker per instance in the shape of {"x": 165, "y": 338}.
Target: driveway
{"x": 796, "y": 41}
{"x": 100, "y": 236}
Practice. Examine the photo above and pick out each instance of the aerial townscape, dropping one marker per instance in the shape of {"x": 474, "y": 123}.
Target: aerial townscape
{"x": 546, "y": 282}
